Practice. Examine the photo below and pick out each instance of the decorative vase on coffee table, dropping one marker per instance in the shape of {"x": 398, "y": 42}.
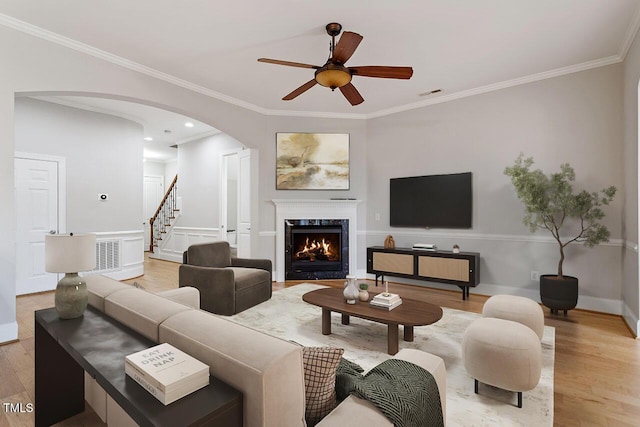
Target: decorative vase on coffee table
{"x": 350, "y": 290}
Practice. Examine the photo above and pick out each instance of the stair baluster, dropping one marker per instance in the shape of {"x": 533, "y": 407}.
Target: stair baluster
{"x": 164, "y": 215}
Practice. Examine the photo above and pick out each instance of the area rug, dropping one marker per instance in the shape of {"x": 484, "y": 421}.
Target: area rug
{"x": 286, "y": 316}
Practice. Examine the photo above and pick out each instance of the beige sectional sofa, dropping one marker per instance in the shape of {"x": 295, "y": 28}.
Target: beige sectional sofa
{"x": 267, "y": 370}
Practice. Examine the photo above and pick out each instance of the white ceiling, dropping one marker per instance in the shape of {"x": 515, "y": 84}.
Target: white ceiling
{"x": 460, "y": 46}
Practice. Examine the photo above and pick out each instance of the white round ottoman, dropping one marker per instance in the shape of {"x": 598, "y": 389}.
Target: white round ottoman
{"x": 518, "y": 309}
{"x": 502, "y": 353}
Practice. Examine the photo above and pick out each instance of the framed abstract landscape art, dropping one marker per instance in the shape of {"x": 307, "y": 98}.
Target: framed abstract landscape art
{"x": 312, "y": 161}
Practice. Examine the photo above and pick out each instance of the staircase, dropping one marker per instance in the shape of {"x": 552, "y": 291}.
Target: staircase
{"x": 165, "y": 215}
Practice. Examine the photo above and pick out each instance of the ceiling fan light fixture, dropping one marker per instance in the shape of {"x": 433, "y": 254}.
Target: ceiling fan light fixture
{"x": 333, "y": 76}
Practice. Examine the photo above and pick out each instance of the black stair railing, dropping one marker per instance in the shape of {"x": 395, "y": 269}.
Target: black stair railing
{"x": 164, "y": 215}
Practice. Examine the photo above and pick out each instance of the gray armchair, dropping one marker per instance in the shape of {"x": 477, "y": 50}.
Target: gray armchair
{"x": 227, "y": 285}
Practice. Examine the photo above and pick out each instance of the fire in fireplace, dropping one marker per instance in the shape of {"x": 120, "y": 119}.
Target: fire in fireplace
{"x": 316, "y": 249}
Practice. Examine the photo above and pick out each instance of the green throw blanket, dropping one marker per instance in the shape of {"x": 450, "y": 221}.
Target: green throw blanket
{"x": 404, "y": 392}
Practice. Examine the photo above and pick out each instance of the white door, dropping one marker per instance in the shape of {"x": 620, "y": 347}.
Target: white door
{"x": 229, "y": 199}
{"x": 244, "y": 204}
{"x": 152, "y": 194}
{"x": 36, "y": 183}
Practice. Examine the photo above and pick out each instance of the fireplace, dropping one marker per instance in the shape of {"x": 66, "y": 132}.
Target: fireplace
{"x": 289, "y": 210}
{"x": 316, "y": 249}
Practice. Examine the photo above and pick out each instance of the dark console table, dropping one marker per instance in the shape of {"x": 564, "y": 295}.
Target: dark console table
{"x": 98, "y": 344}
{"x": 460, "y": 269}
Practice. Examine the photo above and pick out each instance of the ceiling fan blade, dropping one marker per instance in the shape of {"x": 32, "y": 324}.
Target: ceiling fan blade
{"x": 287, "y": 63}
{"x": 383, "y": 72}
{"x": 351, "y": 93}
{"x": 302, "y": 89}
{"x": 346, "y": 46}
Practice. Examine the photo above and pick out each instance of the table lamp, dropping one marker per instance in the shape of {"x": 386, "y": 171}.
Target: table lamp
{"x": 69, "y": 254}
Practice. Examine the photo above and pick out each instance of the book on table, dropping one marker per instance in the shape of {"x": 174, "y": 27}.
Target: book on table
{"x": 384, "y": 300}
{"x": 166, "y": 372}
{"x": 386, "y": 307}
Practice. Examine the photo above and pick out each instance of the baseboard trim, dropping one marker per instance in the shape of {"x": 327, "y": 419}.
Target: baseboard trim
{"x": 167, "y": 257}
{"x": 632, "y": 321}
{"x": 8, "y": 332}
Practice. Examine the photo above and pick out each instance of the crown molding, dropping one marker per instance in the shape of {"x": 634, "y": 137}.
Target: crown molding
{"x": 502, "y": 85}
{"x": 317, "y": 114}
{"x": 630, "y": 36}
{"x": 50, "y": 36}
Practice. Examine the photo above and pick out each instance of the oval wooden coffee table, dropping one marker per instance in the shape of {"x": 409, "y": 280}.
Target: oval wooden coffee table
{"x": 409, "y": 314}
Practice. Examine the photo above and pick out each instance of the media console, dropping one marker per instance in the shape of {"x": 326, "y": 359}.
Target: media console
{"x": 460, "y": 269}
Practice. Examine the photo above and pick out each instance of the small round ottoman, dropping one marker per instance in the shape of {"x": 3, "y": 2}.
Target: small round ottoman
{"x": 518, "y": 309}
{"x": 502, "y": 353}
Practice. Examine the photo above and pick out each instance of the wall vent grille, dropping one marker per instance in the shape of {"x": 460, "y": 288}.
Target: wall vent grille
{"x": 107, "y": 255}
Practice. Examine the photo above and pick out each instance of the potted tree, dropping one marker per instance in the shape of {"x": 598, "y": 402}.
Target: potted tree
{"x": 551, "y": 203}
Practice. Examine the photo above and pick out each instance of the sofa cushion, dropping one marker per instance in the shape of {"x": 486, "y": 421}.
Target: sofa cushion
{"x": 267, "y": 370}
{"x": 249, "y": 277}
{"x": 99, "y": 287}
{"x": 186, "y": 295}
{"x": 140, "y": 310}
{"x": 320, "y": 364}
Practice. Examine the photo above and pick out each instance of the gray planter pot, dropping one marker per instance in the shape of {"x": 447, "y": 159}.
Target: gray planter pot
{"x": 559, "y": 294}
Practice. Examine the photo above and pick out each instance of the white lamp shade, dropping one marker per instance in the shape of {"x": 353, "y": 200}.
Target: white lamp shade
{"x": 69, "y": 253}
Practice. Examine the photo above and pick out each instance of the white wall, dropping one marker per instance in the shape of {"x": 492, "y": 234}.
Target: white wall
{"x": 630, "y": 253}
{"x": 103, "y": 155}
{"x": 153, "y": 168}
{"x": 167, "y": 169}
{"x": 574, "y": 118}
{"x": 199, "y": 180}
{"x": 170, "y": 170}
{"x": 8, "y": 323}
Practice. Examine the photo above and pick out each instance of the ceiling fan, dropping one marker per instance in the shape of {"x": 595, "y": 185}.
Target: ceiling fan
{"x": 334, "y": 74}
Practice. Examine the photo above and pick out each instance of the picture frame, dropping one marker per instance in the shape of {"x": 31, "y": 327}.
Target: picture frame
{"x": 312, "y": 161}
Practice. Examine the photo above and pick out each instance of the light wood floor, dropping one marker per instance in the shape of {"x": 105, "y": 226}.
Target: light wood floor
{"x": 597, "y": 365}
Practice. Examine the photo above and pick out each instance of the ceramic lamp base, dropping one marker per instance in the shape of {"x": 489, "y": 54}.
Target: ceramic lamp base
{"x": 71, "y": 296}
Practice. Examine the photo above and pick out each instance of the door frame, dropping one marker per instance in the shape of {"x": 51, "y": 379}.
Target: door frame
{"x": 222, "y": 203}
{"x": 62, "y": 191}
{"x": 62, "y": 183}
{"x": 246, "y": 182}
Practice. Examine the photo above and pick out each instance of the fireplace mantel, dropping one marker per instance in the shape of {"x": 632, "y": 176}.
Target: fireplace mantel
{"x": 314, "y": 209}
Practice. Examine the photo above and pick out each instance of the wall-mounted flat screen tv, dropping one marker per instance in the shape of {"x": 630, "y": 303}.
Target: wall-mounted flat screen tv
{"x": 434, "y": 201}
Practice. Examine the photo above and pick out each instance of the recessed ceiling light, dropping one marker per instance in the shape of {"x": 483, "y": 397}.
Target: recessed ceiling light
{"x": 148, "y": 138}
{"x": 189, "y": 124}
